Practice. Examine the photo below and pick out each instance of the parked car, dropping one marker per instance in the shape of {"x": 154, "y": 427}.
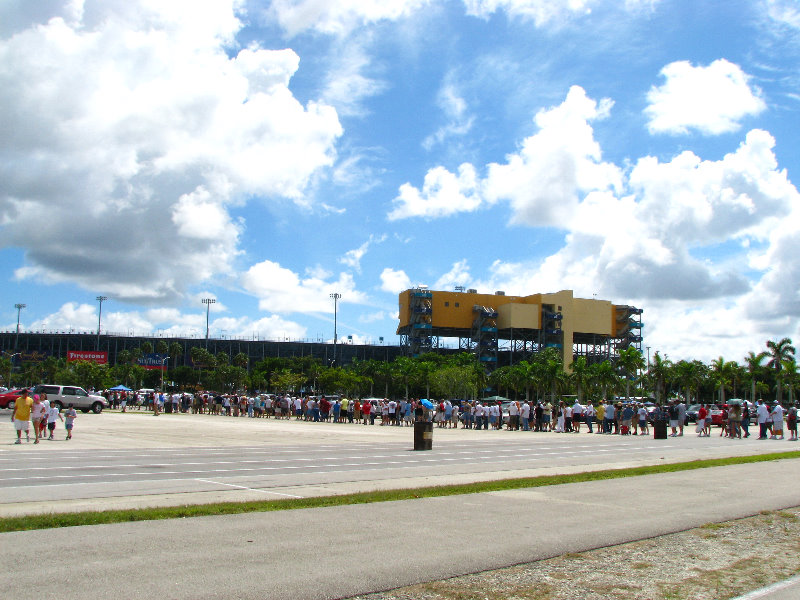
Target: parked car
{"x": 9, "y": 399}
{"x": 718, "y": 415}
{"x": 64, "y": 395}
{"x": 691, "y": 413}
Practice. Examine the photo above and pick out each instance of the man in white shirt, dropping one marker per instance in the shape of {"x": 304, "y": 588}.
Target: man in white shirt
{"x": 525, "y": 411}
{"x": 478, "y": 415}
{"x": 608, "y": 420}
{"x": 642, "y": 412}
{"x": 777, "y": 422}
{"x": 577, "y": 416}
{"x": 513, "y": 416}
{"x": 763, "y": 416}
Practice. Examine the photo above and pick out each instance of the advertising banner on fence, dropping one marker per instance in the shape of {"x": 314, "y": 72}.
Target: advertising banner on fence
{"x": 101, "y": 358}
{"x": 153, "y": 361}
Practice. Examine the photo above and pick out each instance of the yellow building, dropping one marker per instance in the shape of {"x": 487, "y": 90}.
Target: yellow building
{"x": 503, "y": 329}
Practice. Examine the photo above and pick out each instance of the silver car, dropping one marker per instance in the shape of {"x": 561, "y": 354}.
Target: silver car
{"x": 64, "y": 395}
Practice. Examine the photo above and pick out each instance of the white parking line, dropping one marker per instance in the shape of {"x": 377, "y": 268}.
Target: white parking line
{"x": 244, "y": 487}
{"x": 407, "y": 464}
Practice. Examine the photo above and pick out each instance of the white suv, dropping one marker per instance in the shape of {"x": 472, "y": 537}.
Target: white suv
{"x": 64, "y": 395}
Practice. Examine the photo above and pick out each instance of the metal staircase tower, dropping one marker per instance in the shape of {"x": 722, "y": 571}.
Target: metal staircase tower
{"x": 420, "y": 338}
{"x": 484, "y": 336}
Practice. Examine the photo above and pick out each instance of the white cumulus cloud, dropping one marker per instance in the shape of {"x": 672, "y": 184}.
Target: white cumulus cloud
{"x": 443, "y": 193}
{"x": 711, "y": 100}
{"x": 281, "y": 290}
{"x": 394, "y": 281}
{"x": 129, "y": 131}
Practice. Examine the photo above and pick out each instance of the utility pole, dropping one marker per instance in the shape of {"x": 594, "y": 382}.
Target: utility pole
{"x": 19, "y": 308}
{"x": 100, "y": 299}
{"x": 208, "y": 302}
{"x": 335, "y": 296}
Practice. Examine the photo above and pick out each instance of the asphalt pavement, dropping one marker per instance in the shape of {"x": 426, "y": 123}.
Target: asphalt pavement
{"x": 137, "y": 460}
{"x": 344, "y": 551}
{"x": 120, "y": 460}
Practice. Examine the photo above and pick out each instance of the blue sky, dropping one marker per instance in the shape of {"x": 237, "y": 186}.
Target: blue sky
{"x": 268, "y": 154}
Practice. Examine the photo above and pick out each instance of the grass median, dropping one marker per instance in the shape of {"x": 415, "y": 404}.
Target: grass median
{"x": 53, "y": 520}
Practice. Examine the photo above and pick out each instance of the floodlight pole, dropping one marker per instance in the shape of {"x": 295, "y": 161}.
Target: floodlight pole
{"x": 335, "y": 296}
{"x": 100, "y": 299}
{"x": 208, "y": 302}
{"x": 19, "y": 308}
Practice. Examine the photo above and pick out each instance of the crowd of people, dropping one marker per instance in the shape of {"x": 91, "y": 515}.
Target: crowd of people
{"x": 33, "y": 411}
{"x": 609, "y": 417}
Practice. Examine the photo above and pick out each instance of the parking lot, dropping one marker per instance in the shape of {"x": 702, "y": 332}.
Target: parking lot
{"x": 136, "y": 459}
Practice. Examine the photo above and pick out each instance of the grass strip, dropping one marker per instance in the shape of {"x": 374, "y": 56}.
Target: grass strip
{"x": 52, "y": 520}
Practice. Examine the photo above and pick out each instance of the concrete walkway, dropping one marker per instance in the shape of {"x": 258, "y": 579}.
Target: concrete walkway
{"x": 783, "y": 590}
{"x": 344, "y": 551}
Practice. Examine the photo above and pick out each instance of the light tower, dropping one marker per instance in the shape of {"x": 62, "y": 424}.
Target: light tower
{"x": 100, "y": 299}
{"x": 335, "y": 296}
{"x": 19, "y": 308}
{"x": 208, "y": 302}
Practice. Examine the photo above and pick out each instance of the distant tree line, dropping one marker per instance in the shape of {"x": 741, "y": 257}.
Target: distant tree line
{"x": 771, "y": 374}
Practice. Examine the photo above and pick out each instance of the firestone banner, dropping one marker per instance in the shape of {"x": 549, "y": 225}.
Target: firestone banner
{"x": 101, "y": 358}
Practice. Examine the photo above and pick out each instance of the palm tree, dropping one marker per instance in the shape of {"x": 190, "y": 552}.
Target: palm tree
{"x": 690, "y": 375}
{"x": 606, "y": 377}
{"x": 241, "y": 360}
{"x": 779, "y": 353}
{"x": 631, "y": 361}
{"x": 552, "y": 372}
{"x": 175, "y": 352}
{"x": 659, "y": 370}
{"x": 503, "y": 377}
{"x": 425, "y": 369}
{"x": 754, "y": 367}
{"x": 531, "y": 375}
{"x": 406, "y": 371}
{"x": 124, "y": 357}
{"x": 791, "y": 377}
{"x": 738, "y": 374}
{"x": 722, "y": 373}
{"x": 581, "y": 376}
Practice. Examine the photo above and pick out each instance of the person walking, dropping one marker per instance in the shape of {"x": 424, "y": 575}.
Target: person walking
{"x": 53, "y": 414}
{"x": 38, "y": 416}
{"x": 777, "y": 422}
{"x": 763, "y": 414}
{"x": 791, "y": 422}
{"x": 69, "y": 420}
{"x": 702, "y": 414}
{"x": 642, "y": 415}
{"x": 21, "y": 416}
{"x": 673, "y": 418}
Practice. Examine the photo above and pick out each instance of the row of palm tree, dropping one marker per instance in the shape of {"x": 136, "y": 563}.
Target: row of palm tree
{"x": 453, "y": 376}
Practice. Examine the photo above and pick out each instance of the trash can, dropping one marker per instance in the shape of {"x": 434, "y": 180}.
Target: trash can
{"x": 660, "y": 429}
{"x": 423, "y": 435}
